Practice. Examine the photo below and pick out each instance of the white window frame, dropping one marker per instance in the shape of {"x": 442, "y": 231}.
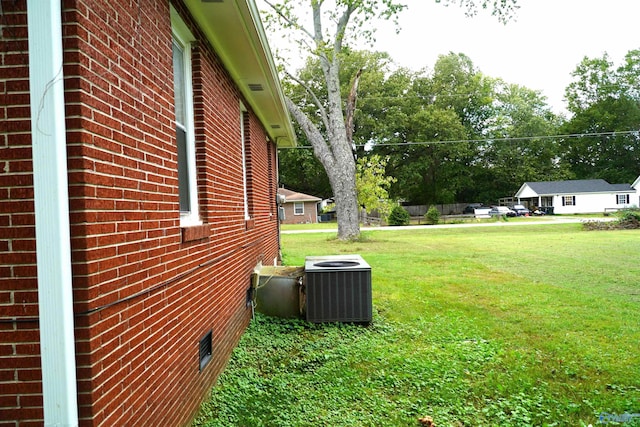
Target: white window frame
{"x": 295, "y": 208}
{"x": 183, "y": 38}
{"x": 243, "y": 134}
{"x": 568, "y": 201}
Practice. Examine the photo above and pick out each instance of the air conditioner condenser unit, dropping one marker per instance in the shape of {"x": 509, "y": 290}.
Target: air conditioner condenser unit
{"x": 338, "y": 289}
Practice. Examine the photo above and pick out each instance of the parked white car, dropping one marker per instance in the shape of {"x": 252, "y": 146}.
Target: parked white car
{"x": 502, "y": 211}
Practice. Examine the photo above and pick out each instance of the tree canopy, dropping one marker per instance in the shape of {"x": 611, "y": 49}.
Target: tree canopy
{"x": 453, "y": 134}
{"x": 322, "y": 113}
{"x": 450, "y": 133}
{"x": 605, "y": 126}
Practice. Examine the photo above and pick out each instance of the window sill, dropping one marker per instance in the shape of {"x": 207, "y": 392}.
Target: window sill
{"x": 195, "y": 232}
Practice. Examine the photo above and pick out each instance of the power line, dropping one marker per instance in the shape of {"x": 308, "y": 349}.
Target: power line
{"x": 503, "y": 139}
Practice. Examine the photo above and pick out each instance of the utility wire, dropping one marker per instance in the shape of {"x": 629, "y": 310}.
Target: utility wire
{"x": 503, "y": 139}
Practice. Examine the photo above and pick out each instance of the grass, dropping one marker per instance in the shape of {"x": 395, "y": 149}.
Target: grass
{"x": 445, "y": 219}
{"x": 332, "y": 225}
{"x": 518, "y": 326}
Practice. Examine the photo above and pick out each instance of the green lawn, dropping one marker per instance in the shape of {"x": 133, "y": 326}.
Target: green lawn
{"x": 495, "y": 326}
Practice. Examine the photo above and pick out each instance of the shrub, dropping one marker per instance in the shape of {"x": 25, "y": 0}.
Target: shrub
{"x": 398, "y": 216}
{"x": 432, "y": 216}
{"x": 629, "y": 218}
{"x": 594, "y": 224}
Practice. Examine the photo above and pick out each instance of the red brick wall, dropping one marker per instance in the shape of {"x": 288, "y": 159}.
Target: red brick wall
{"x": 145, "y": 290}
{"x": 310, "y": 213}
{"x": 19, "y": 340}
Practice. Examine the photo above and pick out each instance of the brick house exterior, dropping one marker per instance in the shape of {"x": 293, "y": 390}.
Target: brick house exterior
{"x": 298, "y": 208}
{"x": 147, "y": 285}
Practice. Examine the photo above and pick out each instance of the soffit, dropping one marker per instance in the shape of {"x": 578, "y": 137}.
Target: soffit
{"x": 234, "y": 29}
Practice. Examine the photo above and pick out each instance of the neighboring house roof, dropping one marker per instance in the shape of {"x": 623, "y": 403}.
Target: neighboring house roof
{"x": 547, "y": 188}
{"x": 622, "y": 187}
{"x": 236, "y": 33}
{"x": 292, "y": 196}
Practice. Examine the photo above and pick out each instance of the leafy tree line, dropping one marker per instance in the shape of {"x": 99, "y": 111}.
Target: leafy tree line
{"x": 446, "y": 134}
{"x": 452, "y": 134}
{"x": 325, "y": 116}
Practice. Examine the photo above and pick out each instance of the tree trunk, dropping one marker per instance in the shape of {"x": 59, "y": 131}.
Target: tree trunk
{"x": 343, "y": 184}
{"x": 334, "y": 149}
{"x": 337, "y": 159}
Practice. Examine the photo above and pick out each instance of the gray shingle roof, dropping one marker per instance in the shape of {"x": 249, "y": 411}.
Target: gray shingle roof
{"x": 621, "y": 187}
{"x": 576, "y": 186}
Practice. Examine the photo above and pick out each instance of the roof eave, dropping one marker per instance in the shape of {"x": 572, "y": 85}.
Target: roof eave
{"x": 522, "y": 188}
{"x": 316, "y": 200}
{"x": 236, "y": 33}
{"x": 573, "y": 193}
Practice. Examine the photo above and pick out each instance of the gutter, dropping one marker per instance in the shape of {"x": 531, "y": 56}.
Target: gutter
{"x": 51, "y": 198}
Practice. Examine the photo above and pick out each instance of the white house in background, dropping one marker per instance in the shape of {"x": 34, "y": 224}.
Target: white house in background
{"x": 579, "y": 196}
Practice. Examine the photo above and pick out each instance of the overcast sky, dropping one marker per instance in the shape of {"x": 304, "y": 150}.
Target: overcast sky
{"x": 539, "y": 49}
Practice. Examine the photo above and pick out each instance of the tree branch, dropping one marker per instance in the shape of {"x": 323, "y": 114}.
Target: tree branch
{"x": 316, "y": 100}
{"x": 351, "y": 107}
{"x": 341, "y": 28}
{"x": 320, "y": 148}
{"x": 318, "y": 38}
{"x": 317, "y": 23}
{"x": 287, "y": 19}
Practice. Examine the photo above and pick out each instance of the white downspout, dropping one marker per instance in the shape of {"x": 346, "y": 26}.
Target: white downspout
{"x": 51, "y": 198}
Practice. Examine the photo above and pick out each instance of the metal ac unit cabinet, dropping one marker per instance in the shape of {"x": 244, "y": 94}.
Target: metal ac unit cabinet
{"x": 338, "y": 289}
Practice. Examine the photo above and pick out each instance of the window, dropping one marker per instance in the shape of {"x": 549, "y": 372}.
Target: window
{"x": 272, "y": 193}
{"x": 244, "y": 119}
{"x": 185, "y": 135}
{"x": 568, "y": 200}
{"x": 622, "y": 199}
{"x": 298, "y": 208}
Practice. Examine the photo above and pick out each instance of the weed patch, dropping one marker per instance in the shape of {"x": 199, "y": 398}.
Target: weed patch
{"x": 525, "y": 326}
{"x": 627, "y": 219}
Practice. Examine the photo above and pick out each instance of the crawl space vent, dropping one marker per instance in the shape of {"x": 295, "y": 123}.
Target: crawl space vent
{"x": 205, "y": 349}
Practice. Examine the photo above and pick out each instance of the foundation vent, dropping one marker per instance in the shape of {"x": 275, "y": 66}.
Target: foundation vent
{"x": 206, "y": 347}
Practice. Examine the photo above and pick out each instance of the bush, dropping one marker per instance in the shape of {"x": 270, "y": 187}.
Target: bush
{"x": 629, "y": 218}
{"x": 398, "y": 216}
{"x": 432, "y": 216}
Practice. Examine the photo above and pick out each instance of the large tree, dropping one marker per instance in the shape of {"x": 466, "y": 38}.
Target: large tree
{"x": 605, "y": 102}
{"x": 436, "y": 114}
{"x": 518, "y": 146}
{"x": 327, "y": 129}
{"x": 374, "y": 93}
{"x": 330, "y": 129}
